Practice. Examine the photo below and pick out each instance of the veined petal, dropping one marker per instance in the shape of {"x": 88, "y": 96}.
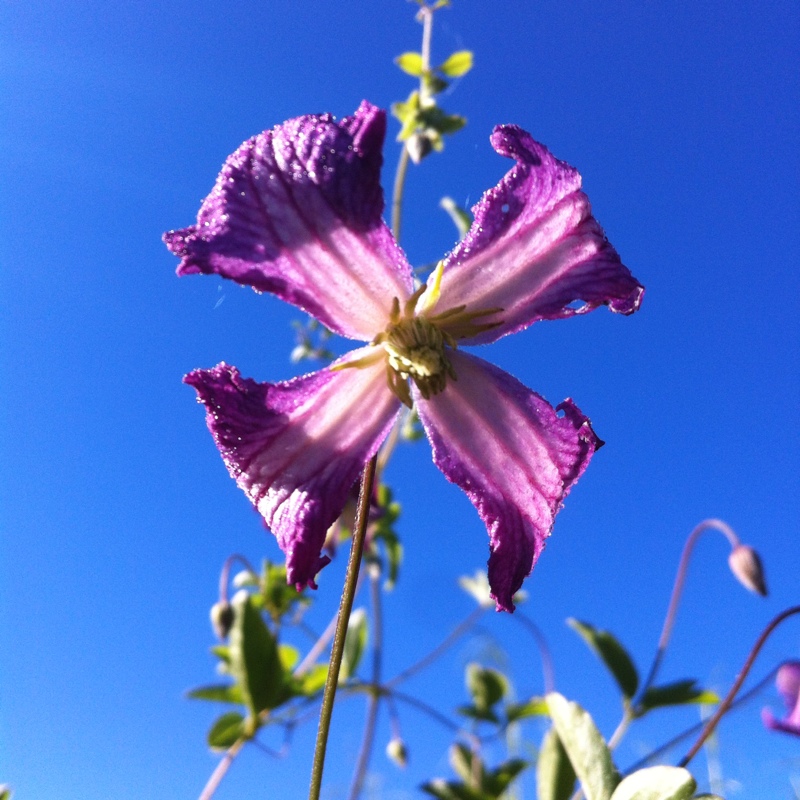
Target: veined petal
{"x": 513, "y": 455}
{"x": 297, "y": 447}
{"x": 296, "y": 211}
{"x": 534, "y": 249}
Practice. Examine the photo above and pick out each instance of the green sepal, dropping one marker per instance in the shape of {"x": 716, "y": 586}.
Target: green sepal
{"x": 535, "y": 707}
{"x": 607, "y": 647}
{"x": 355, "y": 644}
{"x": 677, "y": 693}
{"x": 458, "y": 64}
{"x": 218, "y": 693}
{"x": 410, "y": 63}
{"x": 227, "y": 730}
{"x": 555, "y": 776}
{"x": 656, "y": 783}
{"x": 588, "y": 752}
{"x": 255, "y": 663}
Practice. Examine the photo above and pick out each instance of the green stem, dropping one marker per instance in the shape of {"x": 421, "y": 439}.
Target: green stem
{"x": 374, "y": 698}
{"x": 221, "y": 770}
{"x": 346, "y": 606}
{"x": 397, "y": 193}
{"x": 728, "y": 701}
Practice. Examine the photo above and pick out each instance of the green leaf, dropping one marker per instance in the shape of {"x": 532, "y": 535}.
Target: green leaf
{"x": 461, "y": 218}
{"x": 480, "y": 714}
{"x": 218, "y": 693}
{"x": 433, "y": 83}
{"x": 434, "y": 118}
{"x": 458, "y": 64}
{"x": 227, "y": 730}
{"x": 500, "y": 778}
{"x": 289, "y": 656}
{"x": 355, "y": 644}
{"x": 535, "y": 707}
{"x": 611, "y": 653}
{"x": 451, "y": 791}
{"x": 585, "y": 747}
{"x": 486, "y": 686}
{"x": 254, "y": 658}
{"x": 5, "y": 792}
{"x": 555, "y": 777}
{"x": 309, "y": 683}
{"x": 675, "y": 694}
{"x": 461, "y": 760}
{"x": 222, "y": 652}
{"x": 410, "y": 63}
{"x": 656, "y": 783}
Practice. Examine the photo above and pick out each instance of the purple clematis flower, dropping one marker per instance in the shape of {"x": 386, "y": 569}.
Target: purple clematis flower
{"x": 297, "y": 211}
{"x": 788, "y": 682}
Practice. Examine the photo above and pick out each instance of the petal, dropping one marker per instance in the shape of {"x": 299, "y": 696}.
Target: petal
{"x": 296, "y": 211}
{"x": 297, "y": 447}
{"x": 513, "y": 455}
{"x": 534, "y": 249}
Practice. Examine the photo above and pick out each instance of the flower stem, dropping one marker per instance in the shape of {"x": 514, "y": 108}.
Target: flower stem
{"x": 728, "y": 701}
{"x": 397, "y": 192}
{"x": 374, "y": 697}
{"x": 677, "y": 590}
{"x": 345, "y": 607}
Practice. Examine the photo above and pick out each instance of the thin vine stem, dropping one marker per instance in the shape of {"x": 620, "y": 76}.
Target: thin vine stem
{"x": 731, "y": 696}
{"x": 221, "y": 769}
{"x": 373, "y": 703}
{"x": 677, "y": 590}
{"x": 346, "y": 606}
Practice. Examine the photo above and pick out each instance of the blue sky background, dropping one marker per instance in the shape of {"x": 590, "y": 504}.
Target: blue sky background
{"x": 116, "y": 510}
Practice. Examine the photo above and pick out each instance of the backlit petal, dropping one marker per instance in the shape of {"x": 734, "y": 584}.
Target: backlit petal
{"x": 534, "y": 249}
{"x": 297, "y": 447}
{"x": 296, "y": 211}
{"x": 513, "y": 455}
{"x": 787, "y": 681}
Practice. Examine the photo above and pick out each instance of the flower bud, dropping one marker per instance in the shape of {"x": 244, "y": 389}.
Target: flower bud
{"x": 397, "y": 752}
{"x": 222, "y": 618}
{"x": 418, "y": 145}
{"x": 746, "y": 567}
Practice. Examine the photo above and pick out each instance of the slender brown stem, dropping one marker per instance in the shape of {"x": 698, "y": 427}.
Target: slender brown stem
{"x": 373, "y": 702}
{"x": 728, "y": 701}
{"x": 346, "y": 606}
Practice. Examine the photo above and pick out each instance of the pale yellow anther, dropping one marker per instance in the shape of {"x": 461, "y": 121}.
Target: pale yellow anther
{"x": 430, "y": 297}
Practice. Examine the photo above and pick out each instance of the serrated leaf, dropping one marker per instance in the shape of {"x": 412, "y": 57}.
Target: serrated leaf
{"x": 486, "y": 686}
{"x": 535, "y": 707}
{"x": 656, "y": 783}
{"x": 254, "y": 658}
{"x": 355, "y": 644}
{"x": 585, "y": 747}
{"x": 218, "y": 693}
{"x": 458, "y": 64}
{"x": 227, "y": 730}
{"x": 410, "y": 63}
{"x": 675, "y": 694}
{"x": 555, "y": 777}
{"x": 607, "y": 647}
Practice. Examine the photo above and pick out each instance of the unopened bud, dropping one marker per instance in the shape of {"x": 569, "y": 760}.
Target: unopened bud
{"x": 222, "y": 618}
{"x": 418, "y": 145}
{"x": 397, "y": 752}
{"x": 746, "y": 567}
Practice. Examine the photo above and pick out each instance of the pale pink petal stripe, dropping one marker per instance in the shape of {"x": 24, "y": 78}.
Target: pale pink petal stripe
{"x": 534, "y": 249}
{"x": 296, "y": 448}
{"x": 297, "y": 211}
{"x": 512, "y": 454}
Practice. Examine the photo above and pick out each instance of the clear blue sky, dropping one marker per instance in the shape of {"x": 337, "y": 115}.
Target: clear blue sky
{"x": 116, "y": 509}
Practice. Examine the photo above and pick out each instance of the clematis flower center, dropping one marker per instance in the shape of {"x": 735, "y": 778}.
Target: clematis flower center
{"x": 415, "y": 348}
